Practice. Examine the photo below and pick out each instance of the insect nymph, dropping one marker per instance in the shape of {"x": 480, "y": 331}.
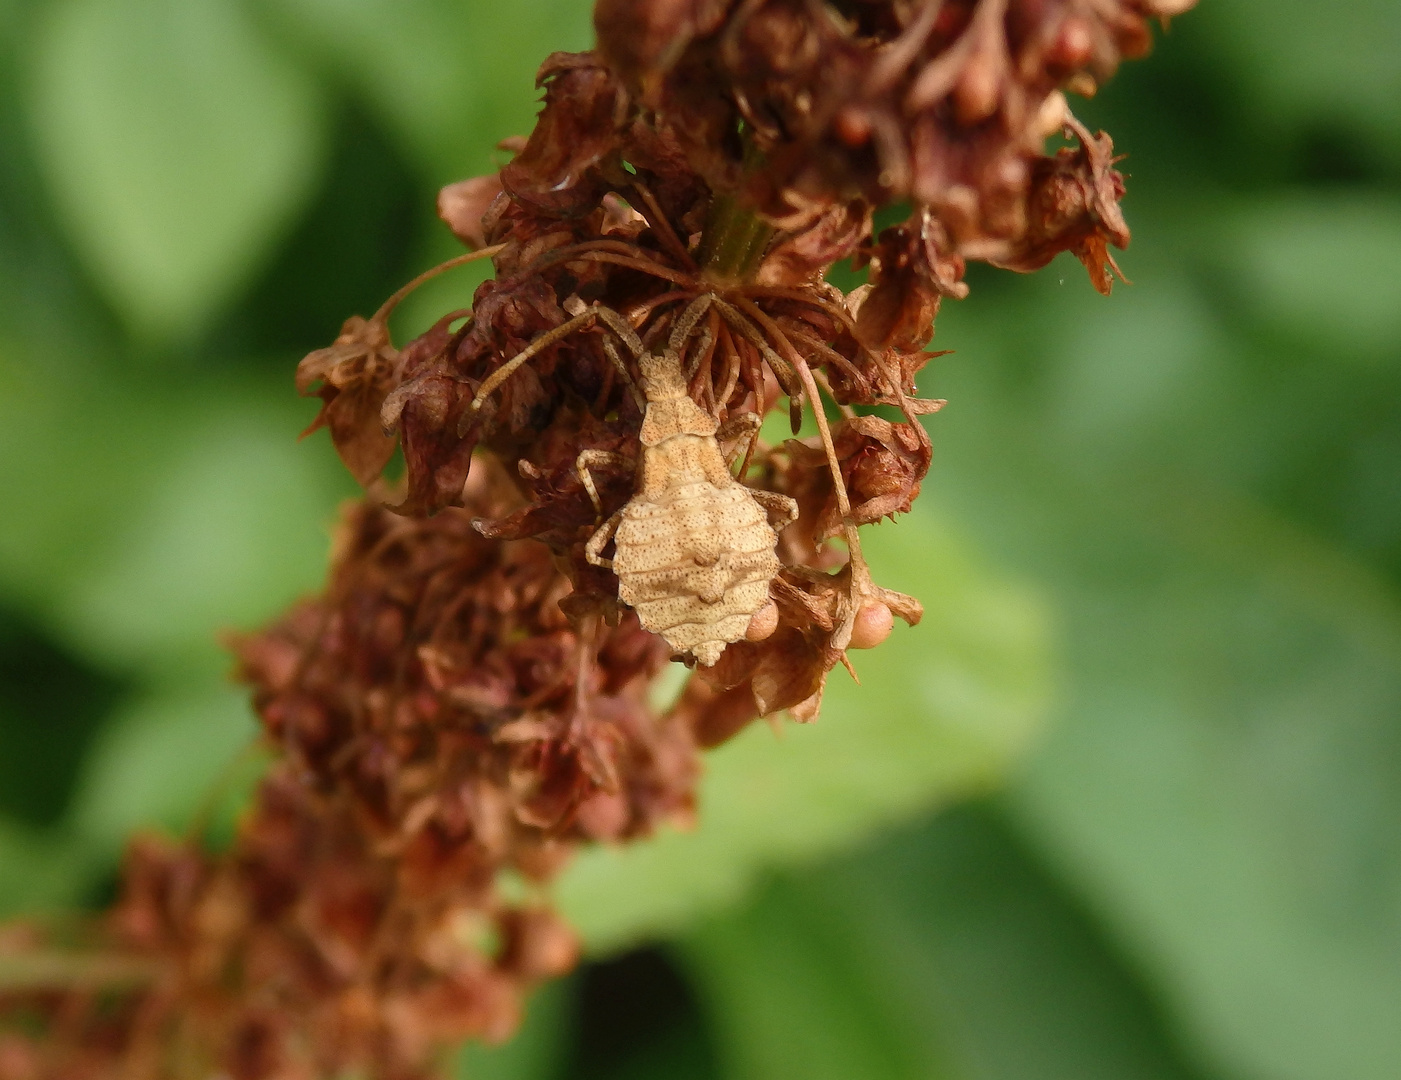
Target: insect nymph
{"x": 694, "y": 548}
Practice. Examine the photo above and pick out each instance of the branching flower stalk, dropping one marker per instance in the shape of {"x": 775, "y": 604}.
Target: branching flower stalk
{"x": 467, "y": 702}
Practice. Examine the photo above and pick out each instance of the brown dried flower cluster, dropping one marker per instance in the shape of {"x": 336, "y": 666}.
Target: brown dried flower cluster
{"x": 592, "y": 211}
{"x": 469, "y": 699}
{"x": 945, "y": 104}
{"x": 437, "y": 728}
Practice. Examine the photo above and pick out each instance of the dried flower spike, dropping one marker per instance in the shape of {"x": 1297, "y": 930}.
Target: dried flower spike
{"x": 469, "y": 697}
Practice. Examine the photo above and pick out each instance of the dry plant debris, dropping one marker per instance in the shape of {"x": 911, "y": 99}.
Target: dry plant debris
{"x": 469, "y": 698}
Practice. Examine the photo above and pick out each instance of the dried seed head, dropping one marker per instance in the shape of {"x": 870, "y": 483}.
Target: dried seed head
{"x": 942, "y": 103}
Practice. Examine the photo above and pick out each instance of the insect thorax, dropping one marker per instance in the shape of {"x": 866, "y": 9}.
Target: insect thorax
{"x": 681, "y": 460}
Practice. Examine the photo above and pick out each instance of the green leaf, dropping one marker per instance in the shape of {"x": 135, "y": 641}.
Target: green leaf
{"x": 1324, "y": 270}
{"x": 51, "y": 705}
{"x": 164, "y": 760}
{"x": 158, "y": 763}
{"x": 178, "y": 146}
{"x": 941, "y": 952}
{"x": 143, "y": 519}
{"x": 1226, "y": 782}
{"x": 40, "y": 870}
{"x": 1315, "y": 63}
{"x": 1221, "y": 780}
{"x": 451, "y": 79}
{"x": 786, "y": 991}
{"x": 78, "y": 445}
{"x": 943, "y": 710}
{"x": 231, "y": 529}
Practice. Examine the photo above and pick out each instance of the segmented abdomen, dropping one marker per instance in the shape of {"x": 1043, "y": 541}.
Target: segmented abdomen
{"x": 695, "y": 561}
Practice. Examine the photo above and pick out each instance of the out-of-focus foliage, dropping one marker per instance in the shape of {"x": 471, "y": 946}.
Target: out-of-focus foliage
{"x": 1166, "y": 525}
{"x": 177, "y": 144}
{"x": 939, "y": 952}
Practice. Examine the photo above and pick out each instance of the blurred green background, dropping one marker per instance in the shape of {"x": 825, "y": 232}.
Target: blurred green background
{"x": 1126, "y": 806}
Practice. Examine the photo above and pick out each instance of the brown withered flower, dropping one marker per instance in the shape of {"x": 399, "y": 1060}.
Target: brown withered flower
{"x": 945, "y": 104}
{"x": 438, "y": 721}
{"x": 484, "y": 719}
{"x": 352, "y": 377}
{"x": 1074, "y": 206}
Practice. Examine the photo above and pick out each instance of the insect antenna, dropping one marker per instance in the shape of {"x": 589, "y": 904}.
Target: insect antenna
{"x": 544, "y": 341}
{"x": 705, "y": 343}
{"x": 621, "y": 368}
{"x": 633, "y": 262}
{"x": 620, "y": 326}
{"x": 836, "y": 359}
{"x": 685, "y": 323}
{"x": 598, "y": 312}
{"x": 618, "y": 252}
{"x": 699, "y": 376}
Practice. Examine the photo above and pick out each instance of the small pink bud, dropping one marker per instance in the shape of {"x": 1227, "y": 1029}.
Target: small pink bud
{"x": 762, "y": 623}
{"x": 873, "y": 625}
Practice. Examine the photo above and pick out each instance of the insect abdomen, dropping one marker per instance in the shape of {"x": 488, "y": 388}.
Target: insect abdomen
{"x": 696, "y": 564}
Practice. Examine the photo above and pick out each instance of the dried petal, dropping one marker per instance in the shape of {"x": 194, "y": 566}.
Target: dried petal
{"x": 463, "y": 205}
{"x": 1074, "y": 206}
{"x": 579, "y": 128}
{"x": 352, "y": 377}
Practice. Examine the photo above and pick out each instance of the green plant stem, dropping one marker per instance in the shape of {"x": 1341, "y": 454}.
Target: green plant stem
{"x": 64, "y": 970}
{"x": 734, "y": 241}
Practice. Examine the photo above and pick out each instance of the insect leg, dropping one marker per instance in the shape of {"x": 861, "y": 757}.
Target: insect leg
{"x": 744, "y": 429}
{"x": 595, "y": 458}
{"x": 544, "y": 341}
{"x": 593, "y": 549}
{"x": 782, "y": 510}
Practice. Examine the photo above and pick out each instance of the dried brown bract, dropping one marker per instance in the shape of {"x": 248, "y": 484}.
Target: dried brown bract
{"x": 463, "y": 205}
{"x": 356, "y": 373}
{"x": 1074, "y": 206}
{"x": 303, "y": 953}
{"x": 352, "y": 377}
{"x": 482, "y": 718}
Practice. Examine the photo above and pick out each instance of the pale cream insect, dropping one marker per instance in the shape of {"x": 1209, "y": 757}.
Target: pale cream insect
{"x": 694, "y": 548}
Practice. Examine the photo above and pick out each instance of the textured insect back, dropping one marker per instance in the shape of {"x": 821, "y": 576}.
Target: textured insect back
{"x": 694, "y": 550}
